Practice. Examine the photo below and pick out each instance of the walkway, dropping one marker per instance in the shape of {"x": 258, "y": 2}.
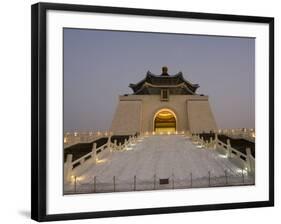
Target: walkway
{"x": 172, "y": 157}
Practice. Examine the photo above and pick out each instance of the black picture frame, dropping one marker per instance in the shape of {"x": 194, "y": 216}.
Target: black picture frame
{"x": 39, "y": 114}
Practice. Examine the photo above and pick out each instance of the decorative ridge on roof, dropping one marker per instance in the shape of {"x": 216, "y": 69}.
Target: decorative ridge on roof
{"x": 163, "y": 80}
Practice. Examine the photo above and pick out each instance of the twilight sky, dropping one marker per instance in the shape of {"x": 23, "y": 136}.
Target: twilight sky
{"x": 99, "y": 65}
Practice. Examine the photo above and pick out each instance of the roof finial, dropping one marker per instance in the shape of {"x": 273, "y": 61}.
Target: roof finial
{"x": 165, "y": 71}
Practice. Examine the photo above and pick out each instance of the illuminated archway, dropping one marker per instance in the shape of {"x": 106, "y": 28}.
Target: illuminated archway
{"x": 165, "y": 120}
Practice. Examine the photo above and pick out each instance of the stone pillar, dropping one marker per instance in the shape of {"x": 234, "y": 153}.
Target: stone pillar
{"x": 94, "y": 152}
{"x": 68, "y": 167}
{"x": 125, "y": 143}
{"x": 207, "y": 144}
{"x": 248, "y": 160}
{"x": 202, "y": 141}
{"x": 211, "y": 142}
{"x": 109, "y": 143}
{"x": 228, "y": 153}
{"x": 216, "y": 141}
{"x": 115, "y": 144}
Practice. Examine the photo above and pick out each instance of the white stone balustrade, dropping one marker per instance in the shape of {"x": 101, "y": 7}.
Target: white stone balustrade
{"x": 244, "y": 133}
{"x": 72, "y": 138}
{"x": 247, "y": 159}
{"x": 93, "y": 157}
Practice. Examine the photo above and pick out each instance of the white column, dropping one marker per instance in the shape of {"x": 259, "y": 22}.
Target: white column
{"x": 68, "y": 167}
{"x": 115, "y": 144}
{"x": 248, "y": 159}
{"x": 211, "y": 142}
{"x": 125, "y": 143}
{"x": 216, "y": 141}
{"x": 228, "y": 153}
{"x": 109, "y": 143}
{"x": 202, "y": 141}
{"x": 94, "y": 152}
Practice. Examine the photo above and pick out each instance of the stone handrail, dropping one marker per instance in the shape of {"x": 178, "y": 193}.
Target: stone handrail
{"x": 94, "y": 155}
{"x": 247, "y": 159}
{"x": 230, "y": 150}
{"x": 82, "y": 137}
{"x": 244, "y": 133}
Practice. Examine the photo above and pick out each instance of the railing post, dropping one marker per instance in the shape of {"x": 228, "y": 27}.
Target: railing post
{"x": 115, "y": 144}
{"x": 226, "y": 180}
{"x": 216, "y": 141}
{"x": 82, "y": 160}
{"x": 75, "y": 184}
{"x": 191, "y": 179}
{"x": 154, "y": 183}
{"x": 109, "y": 142}
{"x": 209, "y": 178}
{"x": 68, "y": 167}
{"x": 94, "y": 153}
{"x": 228, "y": 154}
{"x": 135, "y": 183}
{"x": 125, "y": 143}
{"x": 173, "y": 182}
{"x": 248, "y": 160}
{"x": 95, "y": 184}
{"x": 113, "y": 183}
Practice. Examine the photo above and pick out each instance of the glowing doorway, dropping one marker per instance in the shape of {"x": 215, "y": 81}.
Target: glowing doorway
{"x": 165, "y": 121}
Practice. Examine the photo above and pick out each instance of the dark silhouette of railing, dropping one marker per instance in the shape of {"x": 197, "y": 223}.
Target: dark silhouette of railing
{"x": 157, "y": 183}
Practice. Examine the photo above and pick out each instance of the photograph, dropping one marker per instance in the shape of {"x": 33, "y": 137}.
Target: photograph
{"x": 140, "y": 112}
{"x": 151, "y": 111}
{"x": 148, "y": 111}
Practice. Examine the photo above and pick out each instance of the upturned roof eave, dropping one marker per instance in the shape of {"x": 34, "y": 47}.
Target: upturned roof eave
{"x": 181, "y": 76}
{"x": 147, "y": 85}
{"x": 135, "y": 87}
{"x": 132, "y": 85}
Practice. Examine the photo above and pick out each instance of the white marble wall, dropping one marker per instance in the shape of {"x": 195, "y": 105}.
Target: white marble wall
{"x": 127, "y": 118}
{"x": 135, "y": 113}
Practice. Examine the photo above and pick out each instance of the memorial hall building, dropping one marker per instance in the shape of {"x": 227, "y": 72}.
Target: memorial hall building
{"x": 163, "y": 103}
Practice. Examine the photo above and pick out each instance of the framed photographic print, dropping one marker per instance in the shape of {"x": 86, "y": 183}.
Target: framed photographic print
{"x": 139, "y": 111}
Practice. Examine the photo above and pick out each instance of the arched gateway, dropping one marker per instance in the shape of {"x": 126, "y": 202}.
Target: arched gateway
{"x": 165, "y": 121}
{"x": 139, "y": 112}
